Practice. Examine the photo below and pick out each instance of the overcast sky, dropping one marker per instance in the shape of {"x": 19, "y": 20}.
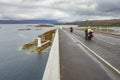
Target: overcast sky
{"x": 60, "y": 10}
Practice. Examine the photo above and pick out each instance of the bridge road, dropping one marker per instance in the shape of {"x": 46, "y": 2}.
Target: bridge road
{"x": 76, "y": 63}
{"x": 105, "y": 46}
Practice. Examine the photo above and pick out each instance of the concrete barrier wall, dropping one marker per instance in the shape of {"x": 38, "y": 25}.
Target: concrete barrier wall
{"x": 52, "y": 70}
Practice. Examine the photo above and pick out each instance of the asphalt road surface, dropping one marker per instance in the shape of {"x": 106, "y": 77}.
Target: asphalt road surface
{"x": 105, "y": 46}
{"x": 77, "y": 63}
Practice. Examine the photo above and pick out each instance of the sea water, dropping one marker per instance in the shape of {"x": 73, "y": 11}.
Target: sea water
{"x": 16, "y": 64}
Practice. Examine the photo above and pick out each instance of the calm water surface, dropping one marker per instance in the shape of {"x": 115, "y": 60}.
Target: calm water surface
{"x": 14, "y": 63}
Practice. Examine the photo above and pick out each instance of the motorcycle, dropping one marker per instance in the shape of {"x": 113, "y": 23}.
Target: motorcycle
{"x": 89, "y": 36}
{"x": 71, "y": 29}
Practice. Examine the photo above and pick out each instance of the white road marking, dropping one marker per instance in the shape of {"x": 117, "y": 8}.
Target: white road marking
{"x": 70, "y": 36}
{"x": 107, "y": 63}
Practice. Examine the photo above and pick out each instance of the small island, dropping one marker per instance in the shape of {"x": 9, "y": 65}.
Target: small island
{"x": 24, "y": 29}
{"x": 45, "y": 25}
{"x": 38, "y": 29}
{"x": 46, "y": 40}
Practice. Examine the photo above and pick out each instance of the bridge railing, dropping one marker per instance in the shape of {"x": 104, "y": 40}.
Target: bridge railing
{"x": 52, "y": 70}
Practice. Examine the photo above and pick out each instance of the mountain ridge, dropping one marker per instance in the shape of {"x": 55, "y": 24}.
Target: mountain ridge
{"x": 28, "y": 21}
{"x": 110, "y": 22}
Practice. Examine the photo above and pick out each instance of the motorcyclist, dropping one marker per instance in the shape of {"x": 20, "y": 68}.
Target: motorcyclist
{"x": 88, "y": 31}
{"x": 71, "y": 29}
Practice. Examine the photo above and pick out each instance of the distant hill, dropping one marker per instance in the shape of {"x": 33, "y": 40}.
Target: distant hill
{"x": 112, "y": 22}
{"x": 28, "y": 22}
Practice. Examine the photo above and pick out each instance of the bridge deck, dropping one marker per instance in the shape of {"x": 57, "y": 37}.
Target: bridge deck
{"x": 76, "y": 62}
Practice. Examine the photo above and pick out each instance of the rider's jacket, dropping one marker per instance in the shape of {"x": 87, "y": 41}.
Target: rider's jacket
{"x": 89, "y": 30}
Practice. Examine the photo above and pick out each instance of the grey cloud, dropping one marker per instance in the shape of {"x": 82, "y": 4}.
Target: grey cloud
{"x": 109, "y": 6}
{"x": 61, "y": 10}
